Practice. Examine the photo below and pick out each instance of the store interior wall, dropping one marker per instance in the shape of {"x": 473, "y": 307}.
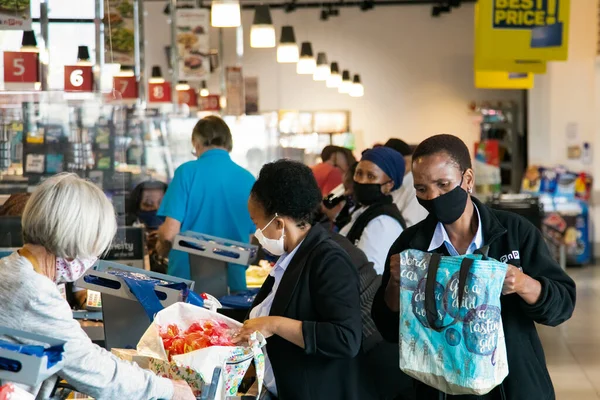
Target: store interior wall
{"x": 417, "y": 70}
{"x": 564, "y": 105}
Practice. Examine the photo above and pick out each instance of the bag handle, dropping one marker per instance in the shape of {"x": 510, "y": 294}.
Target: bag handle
{"x": 430, "y": 307}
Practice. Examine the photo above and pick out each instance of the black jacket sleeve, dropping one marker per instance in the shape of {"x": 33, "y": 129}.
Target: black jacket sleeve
{"x": 557, "y": 300}
{"x": 386, "y": 320}
{"x": 334, "y": 288}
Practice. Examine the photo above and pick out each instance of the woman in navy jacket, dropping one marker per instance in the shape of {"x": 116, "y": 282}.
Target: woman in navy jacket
{"x": 536, "y": 289}
{"x": 309, "y": 306}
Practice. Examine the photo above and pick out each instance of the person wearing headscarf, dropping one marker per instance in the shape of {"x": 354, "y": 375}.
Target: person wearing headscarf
{"x": 376, "y": 223}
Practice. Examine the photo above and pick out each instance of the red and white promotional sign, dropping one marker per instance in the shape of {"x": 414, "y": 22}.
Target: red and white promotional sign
{"x": 211, "y": 103}
{"x": 189, "y": 97}
{"x": 126, "y": 86}
{"x": 79, "y": 78}
{"x": 159, "y": 92}
{"x": 21, "y": 67}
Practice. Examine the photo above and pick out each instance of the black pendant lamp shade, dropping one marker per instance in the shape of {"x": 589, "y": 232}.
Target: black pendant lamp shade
{"x": 321, "y": 59}
{"x": 335, "y": 68}
{"x": 287, "y": 35}
{"x": 156, "y": 72}
{"x": 29, "y": 39}
{"x": 356, "y": 78}
{"x": 262, "y": 16}
{"x": 306, "y": 50}
{"x": 83, "y": 53}
{"x": 346, "y": 75}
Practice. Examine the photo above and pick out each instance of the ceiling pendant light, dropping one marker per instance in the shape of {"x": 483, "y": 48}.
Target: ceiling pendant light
{"x": 335, "y": 78}
{"x": 204, "y": 90}
{"x": 287, "y": 51}
{"x": 156, "y": 76}
{"x": 357, "y": 90}
{"x": 306, "y": 64}
{"x": 83, "y": 56}
{"x": 225, "y": 14}
{"x": 262, "y": 32}
{"x": 29, "y": 42}
{"x": 323, "y": 70}
{"x": 346, "y": 84}
{"x": 182, "y": 86}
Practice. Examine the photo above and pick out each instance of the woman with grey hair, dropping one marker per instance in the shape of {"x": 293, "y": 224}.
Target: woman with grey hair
{"x": 67, "y": 224}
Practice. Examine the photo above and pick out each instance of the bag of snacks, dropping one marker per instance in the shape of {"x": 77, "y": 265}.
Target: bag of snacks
{"x": 188, "y": 342}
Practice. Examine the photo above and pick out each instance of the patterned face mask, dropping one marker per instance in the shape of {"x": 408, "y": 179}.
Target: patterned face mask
{"x": 70, "y": 271}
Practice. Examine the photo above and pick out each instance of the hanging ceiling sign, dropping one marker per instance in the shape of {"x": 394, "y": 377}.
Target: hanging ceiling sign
{"x": 193, "y": 43}
{"x": 15, "y": 15}
{"x": 503, "y": 80}
{"x": 523, "y": 29}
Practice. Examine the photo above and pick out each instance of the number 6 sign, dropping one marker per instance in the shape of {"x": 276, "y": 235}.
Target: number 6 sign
{"x": 79, "y": 78}
{"x": 21, "y": 67}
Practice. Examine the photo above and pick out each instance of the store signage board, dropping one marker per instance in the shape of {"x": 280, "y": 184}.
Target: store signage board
{"x": 119, "y": 34}
{"x": 234, "y": 81}
{"x": 188, "y": 97}
{"x": 210, "y": 103}
{"x": 79, "y": 78}
{"x": 125, "y": 87}
{"x": 15, "y": 15}
{"x": 21, "y": 67}
{"x": 503, "y": 80}
{"x": 193, "y": 43}
{"x": 523, "y": 29}
{"x": 159, "y": 92}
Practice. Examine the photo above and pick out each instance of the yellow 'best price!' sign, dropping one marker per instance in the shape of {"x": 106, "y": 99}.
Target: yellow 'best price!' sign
{"x": 523, "y": 29}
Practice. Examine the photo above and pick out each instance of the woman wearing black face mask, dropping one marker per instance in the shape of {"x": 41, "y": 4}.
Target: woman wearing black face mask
{"x": 375, "y": 225}
{"x": 535, "y": 289}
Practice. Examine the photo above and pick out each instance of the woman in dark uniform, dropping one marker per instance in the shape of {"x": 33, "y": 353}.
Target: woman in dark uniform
{"x": 536, "y": 289}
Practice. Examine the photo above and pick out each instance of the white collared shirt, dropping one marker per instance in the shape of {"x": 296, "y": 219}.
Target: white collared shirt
{"x": 440, "y": 237}
{"x": 377, "y": 238}
{"x": 264, "y": 309}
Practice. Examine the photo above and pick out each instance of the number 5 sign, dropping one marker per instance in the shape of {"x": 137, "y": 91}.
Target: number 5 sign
{"x": 21, "y": 67}
{"x": 79, "y": 78}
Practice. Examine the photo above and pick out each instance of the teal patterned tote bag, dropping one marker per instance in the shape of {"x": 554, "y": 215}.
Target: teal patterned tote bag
{"x": 451, "y": 335}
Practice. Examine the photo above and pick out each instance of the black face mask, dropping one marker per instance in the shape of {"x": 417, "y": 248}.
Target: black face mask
{"x": 368, "y": 193}
{"x": 150, "y": 219}
{"x": 448, "y": 207}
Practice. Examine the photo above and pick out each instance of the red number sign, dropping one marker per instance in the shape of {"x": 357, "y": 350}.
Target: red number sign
{"x": 159, "y": 92}
{"x": 79, "y": 78}
{"x": 189, "y": 97}
{"x": 21, "y": 67}
{"x": 211, "y": 103}
{"x": 126, "y": 86}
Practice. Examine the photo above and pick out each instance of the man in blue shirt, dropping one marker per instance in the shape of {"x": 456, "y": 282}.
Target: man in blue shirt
{"x": 210, "y": 196}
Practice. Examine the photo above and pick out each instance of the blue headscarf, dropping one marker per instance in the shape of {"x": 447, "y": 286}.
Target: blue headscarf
{"x": 390, "y": 161}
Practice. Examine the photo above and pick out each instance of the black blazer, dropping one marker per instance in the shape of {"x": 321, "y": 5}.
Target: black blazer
{"x": 512, "y": 239}
{"x": 320, "y": 288}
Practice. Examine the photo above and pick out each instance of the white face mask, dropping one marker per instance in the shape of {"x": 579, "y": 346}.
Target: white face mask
{"x": 70, "y": 271}
{"x": 273, "y": 246}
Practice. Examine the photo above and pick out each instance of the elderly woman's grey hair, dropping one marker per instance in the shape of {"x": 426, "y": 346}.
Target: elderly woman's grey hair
{"x": 70, "y": 217}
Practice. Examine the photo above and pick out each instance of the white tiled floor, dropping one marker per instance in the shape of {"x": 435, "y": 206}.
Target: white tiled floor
{"x": 573, "y": 349}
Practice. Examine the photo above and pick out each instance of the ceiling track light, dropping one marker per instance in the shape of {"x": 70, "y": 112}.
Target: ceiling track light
{"x": 439, "y": 9}
{"x": 367, "y": 5}
{"x": 290, "y": 6}
{"x": 454, "y": 3}
{"x": 324, "y": 15}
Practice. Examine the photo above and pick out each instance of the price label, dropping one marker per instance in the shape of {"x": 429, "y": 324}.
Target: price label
{"x": 126, "y": 86}
{"x": 159, "y": 92}
{"x": 211, "y": 103}
{"x": 189, "y": 97}
{"x": 21, "y": 67}
{"x": 79, "y": 78}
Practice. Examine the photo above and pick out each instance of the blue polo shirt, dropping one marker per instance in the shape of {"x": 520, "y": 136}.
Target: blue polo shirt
{"x": 210, "y": 196}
